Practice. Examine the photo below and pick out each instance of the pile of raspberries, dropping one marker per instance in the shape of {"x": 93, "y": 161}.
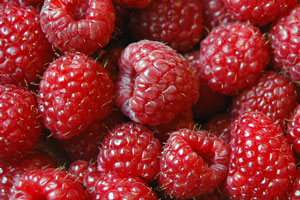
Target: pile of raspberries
{"x": 149, "y": 99}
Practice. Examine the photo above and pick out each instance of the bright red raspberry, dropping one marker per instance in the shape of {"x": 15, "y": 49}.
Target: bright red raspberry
{"x": 272, "y": 94}
{"x": 24, "y": 49}
{"x": 192, "y": 164}
{"x": 259, "y": 12}
{"x": 133, "y": 3}
{"x": 81, "y": 168}
{"x": 50, "y": 184}
{"x": 90, "y": 180}
{"x": 261, "y": 161}
{"x": 85, "y": 146}
{"x": 294, "y": 189}
{"x": 131, "y": 151}
{"x": 155, "y": 83}
{"x": 285, "y": 44}
{"x": 21, "y": 125}
{"x": 293, "y": 129}
{"x": 78, "y": 25}
{"x": 178, "y": 23}
{"x": 75, "y": 91}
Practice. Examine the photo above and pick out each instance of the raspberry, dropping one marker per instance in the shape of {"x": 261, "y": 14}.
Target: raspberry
{"x": 178, "y": 23}
{"x": 285, "y": 44}
{"x": 90, "y": 180}
{"x": 24, "y": 49}
{"x": 293, "y": 131}
{"x": 273, "y": 94}
{"x": 155, "y": 83}
{"x": 20, "y": 127}
{"x": 81, "y": 168}
{"x": 232, "y": 56}
{"x": 75, "y": 91}
{"x": 261, "y": 161}
{"x": 133, "y": 3}
{"x": 192, "y": 164}
{"x": 258, "y": 12}
{"x": 294, "y": 189}
{"x": 131, "y": 151}
{"x": 51, "y": 184}
{"x": 78, "y": 25}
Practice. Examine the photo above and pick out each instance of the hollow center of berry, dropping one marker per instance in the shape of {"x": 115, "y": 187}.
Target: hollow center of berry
{"x": 78, "y": 9}
{"x": 206, "y": 157}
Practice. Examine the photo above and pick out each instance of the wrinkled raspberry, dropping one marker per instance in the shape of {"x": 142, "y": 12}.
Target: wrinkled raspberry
{"x": 81, "y": 168}
{"x": 155, "y": 83}
{"x": 258, "y": 12}
{"x": 24, "y": 49}
{"x": 293, "y": 129}
{"x": 131, "y": 151}
{"x": 192, "y": 164}
{"x": 261, "y": 161}
{"x": 21, "y": 125}
{"x": 78, "y": 25}
{"x": 232, "y": 56}
{"x": 273, "y": 94}
{"x": 75, "y": 91}
{"x": 178, "y": 23}
{"x": 133, "y": 3}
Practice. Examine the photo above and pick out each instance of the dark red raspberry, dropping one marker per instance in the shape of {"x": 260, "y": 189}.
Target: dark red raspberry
{"x": 24, "y": 49}
{"x": 50, "y": 184}
{"x": 178, "y": 23}
{"x": 262, "y": 164}
{"x": 285, "y": 44}
{"x": 258, "y": 12}
{"x": 155, "y": 83}
{"x": 74, "y": 92}
{"x": 273, "y": 94}
{"x": 294, "y": 189}
{"x": 293, "y": 129}
{"x": 131, "y": 151}
{"x": 133, "y": 3}
{"x": 232, "y": 56}
{"x": 81, "y": 168}
{"x": 78, "y": 25}
{"x": 192, "y": 164}
{"x": 85, "y": 146}
{"x": 21, "y": 125}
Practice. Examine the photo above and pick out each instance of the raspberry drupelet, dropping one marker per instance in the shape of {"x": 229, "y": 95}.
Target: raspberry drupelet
{"x": 293, "y": 131}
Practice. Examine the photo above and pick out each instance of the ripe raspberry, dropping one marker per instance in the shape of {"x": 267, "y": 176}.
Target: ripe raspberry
{"x": 293, "y": 131}
{"x": 78, "y": 25}
{"x": 285, "y": 44}
{"x": 261, "y": 161}
{"x": 50, "y": 184}
{"x": 258, "y": 12}
{"x": 20, "y": 127}
{"x": 75, "y": 91}
{"x": 273, "y": 94}
{"x": 133, "y": 3}
{"x": 131, "y": 151}
{"x": 90, "y": 180}
{"x": 294, "y": 189}
{"x": 81, "y": 168}
{"x": 24, "y": 49}
{"x": 178, "y": 23}
{"x": 232, "y": 56}
{"x": 155, "y": 83}
{"x": 192, "y": 164}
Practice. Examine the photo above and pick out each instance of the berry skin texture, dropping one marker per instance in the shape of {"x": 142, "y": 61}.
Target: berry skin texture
{"x": 81, "y": 168}
{"x": 80, "y": 25}
{"x": 133, "y": 3}
{"x": 131, "y": 151}
{"x": 155, "y": 83}
{"x": 74, "y": 91}
{"x": 293, "y": 131}
{"x": 258, "y": 12}
{"x": 177, "y": 23}
{"x": 24, "y": 49}
{"x": 261, "y": 161}
{"x": 192, "y": 164}
{"x": 21, "y": 125}
{"x": 285, "y": 44}
{"x": 272, "y": 94}
{"x": 232, "y": 56}
{"x": 294, "y": 189}
{"x": 50, "y": 184}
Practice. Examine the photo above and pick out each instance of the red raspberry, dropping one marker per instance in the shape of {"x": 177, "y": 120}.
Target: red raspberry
{"x": 232, "y": 56}
{"x": 285, "y": 44}
{"x": 133, "y": 3}
{"x": 155, "y": 83}
{"x": 273, "y": 94}
{"x": 294, "y": 189}
{"x": 81, "y": 168}
{"x": 131, "y": 151}
{"x": 261, "y": 161}
{"x": 50, "y": 184}
{"x": 192, "y": 164}
{"x": 20, "y": 127}
{"x": 90, "y": 180}
{"x": 85, "y": 146}
{"x": 24, "y": 49}
{"x": 293, "y": 131}
{"x": 78, "y": 25}
{"x": 258, "y": 12}
{"x": 75, "y": 91}
{"x": 178, "y": 23}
